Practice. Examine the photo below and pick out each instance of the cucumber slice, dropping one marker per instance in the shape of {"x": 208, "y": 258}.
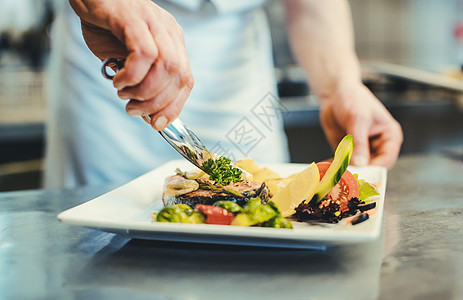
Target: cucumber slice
{"x": 336, "y": 170}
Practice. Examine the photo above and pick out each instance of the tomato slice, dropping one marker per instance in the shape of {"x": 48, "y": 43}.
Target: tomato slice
{"x": 215, "y": 214}
{"x": 344, "y": 190}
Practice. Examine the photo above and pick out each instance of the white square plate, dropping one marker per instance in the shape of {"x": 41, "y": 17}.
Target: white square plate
{"x": 127, "y": 210}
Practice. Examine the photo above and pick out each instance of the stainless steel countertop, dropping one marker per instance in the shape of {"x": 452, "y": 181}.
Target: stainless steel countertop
{"x": 419, "y": 255}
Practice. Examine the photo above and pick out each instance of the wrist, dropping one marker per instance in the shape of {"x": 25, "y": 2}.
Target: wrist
{"x": 338, "y": 85}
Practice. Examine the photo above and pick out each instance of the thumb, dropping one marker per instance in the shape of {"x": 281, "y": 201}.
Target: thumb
{"x": 361, "y": 153}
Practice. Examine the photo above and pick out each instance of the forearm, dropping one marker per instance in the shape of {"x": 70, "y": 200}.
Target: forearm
{"x": 321, "y": 37}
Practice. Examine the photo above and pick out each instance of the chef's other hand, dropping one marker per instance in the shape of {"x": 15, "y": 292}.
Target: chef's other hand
{"x": 354, "y": 110}
{"x": 156, "y": 70}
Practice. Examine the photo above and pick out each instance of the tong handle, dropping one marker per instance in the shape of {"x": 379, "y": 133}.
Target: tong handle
{"x": 117, "y": 64}
{"x": 179, "y": 136}
{"x": 113, "y": 63}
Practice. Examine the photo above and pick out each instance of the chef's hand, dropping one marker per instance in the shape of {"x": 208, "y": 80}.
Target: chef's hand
{"x": 321, "y": 36}
{"x": 354, "y": 110}
{"x": 156, "y": 71}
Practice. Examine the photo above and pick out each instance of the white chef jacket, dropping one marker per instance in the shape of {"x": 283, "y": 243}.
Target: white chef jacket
{"x": 232, "y": 108}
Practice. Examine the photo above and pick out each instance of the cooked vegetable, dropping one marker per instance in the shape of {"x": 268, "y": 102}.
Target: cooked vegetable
{"x": 180, "y": 213}
{"x": 278, "y": 222}
{"x": 215, "y": 214}
{"x": 337, "y": 168}
{"x": 254, "y": 212}
{"x": 229, "y": 205}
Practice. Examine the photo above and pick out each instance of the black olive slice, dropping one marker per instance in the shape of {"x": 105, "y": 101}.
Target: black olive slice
{"x": 360, "y": 218}
{"x": 366, "y": 206}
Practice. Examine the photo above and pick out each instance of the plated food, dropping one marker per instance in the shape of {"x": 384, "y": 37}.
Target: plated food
{"x": 127, "y": 210}
{"x": 244, "y": 194}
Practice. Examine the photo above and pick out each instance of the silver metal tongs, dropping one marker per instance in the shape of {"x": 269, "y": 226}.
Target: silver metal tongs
{"x": 177, "y": 134}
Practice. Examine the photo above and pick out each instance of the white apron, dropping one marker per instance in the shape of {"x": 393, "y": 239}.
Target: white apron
{"x": 232, "y": 108}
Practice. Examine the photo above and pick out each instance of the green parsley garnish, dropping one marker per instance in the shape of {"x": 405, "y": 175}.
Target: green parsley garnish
{"x": 221, "y": 171}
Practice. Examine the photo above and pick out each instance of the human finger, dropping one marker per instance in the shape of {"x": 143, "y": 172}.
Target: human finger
{"x": 386, "y": 155}
{"x": 361, "y": 141}
{"x": 157, "y": 103}
{"x": 162, "y": 119}
{"x": 154, "y": 83}
{"x": 169, "y": 74}
{"x": 142, "y": 53}
{"x": 386, "y": 146}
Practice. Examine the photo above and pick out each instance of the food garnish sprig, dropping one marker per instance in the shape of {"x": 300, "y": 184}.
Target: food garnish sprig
{"x": 221, "y": 171}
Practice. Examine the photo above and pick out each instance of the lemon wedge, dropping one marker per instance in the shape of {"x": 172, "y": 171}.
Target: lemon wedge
{"x": 276, "y": 184}
{"x": 265, "y": 174}
{"x": 303, "y": 186}
{"x": 248, "y": 165}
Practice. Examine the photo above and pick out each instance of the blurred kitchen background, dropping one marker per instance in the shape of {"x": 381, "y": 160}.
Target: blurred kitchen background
{"x": 411, "y": 53}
